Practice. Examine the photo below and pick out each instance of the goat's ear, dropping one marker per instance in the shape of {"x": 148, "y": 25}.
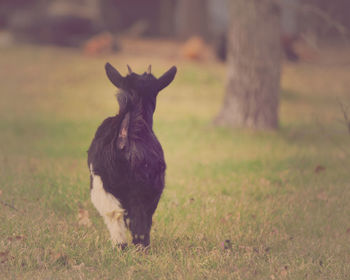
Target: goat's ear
{"x": 166, "y": 78}
{"x": 114, "y": 76}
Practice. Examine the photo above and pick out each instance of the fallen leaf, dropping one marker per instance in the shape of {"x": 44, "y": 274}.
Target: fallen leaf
{"x": 322, "y": 196}
{"x": 264, "y": 182}
{"x": 59, "y": 258}
{"x": 284, "y": 271}
{"x": 275, "y": 231}
{"x": 226, "y": 218}
{"x": 4, "y": 256}
{"x": 319, "y": 169}
{"x": 15, "y": 238}
{"x": 55, "y": 256}
{"x": 83, "y": 218}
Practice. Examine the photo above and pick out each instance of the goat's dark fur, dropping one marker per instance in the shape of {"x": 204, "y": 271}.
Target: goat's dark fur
{"x": 126, "y": 154}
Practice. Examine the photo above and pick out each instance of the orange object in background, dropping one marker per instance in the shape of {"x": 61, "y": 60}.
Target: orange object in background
{"x": 194, "y": 48}
{"x": 99, "y": 44}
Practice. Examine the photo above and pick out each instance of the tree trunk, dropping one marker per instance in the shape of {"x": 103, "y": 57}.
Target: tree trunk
{"x": 254, "y": 64}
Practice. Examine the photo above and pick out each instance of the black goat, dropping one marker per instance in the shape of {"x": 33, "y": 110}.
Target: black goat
{"x": 126, "y": 160}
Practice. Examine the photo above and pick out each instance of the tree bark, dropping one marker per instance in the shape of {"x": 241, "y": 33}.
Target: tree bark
{"x": 254, "y": 63}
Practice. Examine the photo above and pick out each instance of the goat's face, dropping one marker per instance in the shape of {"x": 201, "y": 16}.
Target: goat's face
{"x": 139, "y": 90}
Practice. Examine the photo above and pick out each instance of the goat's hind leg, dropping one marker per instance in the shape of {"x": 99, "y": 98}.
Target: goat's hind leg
{"x": 140, "y": 227}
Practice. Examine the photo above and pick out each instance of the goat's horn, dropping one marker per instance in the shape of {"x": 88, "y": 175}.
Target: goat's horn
{"x": 129, "y": 69}
{"x": 149, "y": 69}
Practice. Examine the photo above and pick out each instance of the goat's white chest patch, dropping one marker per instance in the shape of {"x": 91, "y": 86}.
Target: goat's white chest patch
{"x": 109, "y": 208}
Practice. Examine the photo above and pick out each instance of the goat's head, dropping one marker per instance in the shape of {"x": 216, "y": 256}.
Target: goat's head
{"x": 139, "y": 90}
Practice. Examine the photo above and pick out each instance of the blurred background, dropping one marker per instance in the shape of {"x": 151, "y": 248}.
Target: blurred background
{"x": 266, "y": 198}
{"x": 96, "y": 26}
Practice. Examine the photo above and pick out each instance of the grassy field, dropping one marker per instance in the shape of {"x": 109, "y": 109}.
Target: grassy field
{"x": 238, "y": 204}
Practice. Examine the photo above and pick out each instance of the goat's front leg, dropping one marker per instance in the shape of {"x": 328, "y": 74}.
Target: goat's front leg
{"x": 110, "y": 209}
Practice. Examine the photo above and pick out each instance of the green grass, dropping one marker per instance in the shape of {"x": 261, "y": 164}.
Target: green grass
{"x": 257, "y": 189}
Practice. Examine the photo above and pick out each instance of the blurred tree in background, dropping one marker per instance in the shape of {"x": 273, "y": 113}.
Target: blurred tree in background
{"x": 325, "y": 18}
{"x": 142, "y": 17}
{"x": 254, "y": 62}
{"x": 175, "y": 18}
{"x": 191, "y": 18}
